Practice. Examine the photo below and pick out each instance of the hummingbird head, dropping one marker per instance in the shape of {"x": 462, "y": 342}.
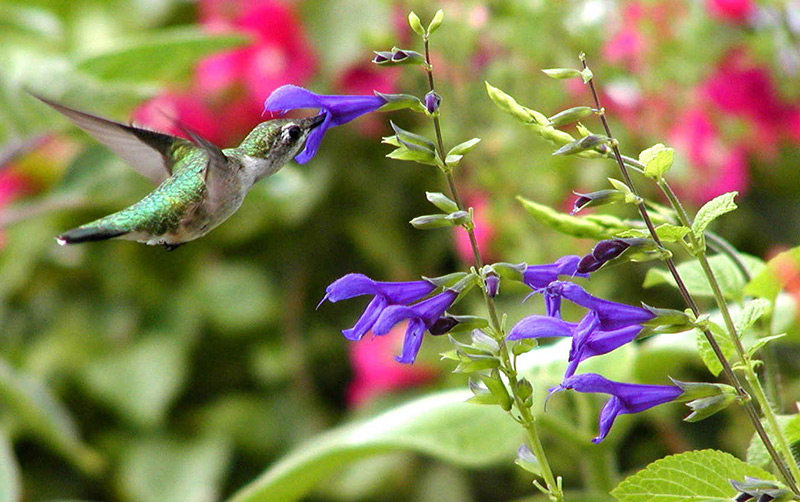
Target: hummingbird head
{"x": 272, "y": 144}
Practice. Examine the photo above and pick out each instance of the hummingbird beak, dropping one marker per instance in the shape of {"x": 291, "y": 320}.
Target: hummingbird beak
{"x": 313, "y": 122}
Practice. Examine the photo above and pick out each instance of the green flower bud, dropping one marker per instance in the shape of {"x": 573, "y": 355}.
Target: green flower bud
{"x": 570, "y": 115}
{"x": 416, "y": 24}
{"x": 562, "y": 73}
{"x": 436, "y": 21}
{"x": 442, "y": 201}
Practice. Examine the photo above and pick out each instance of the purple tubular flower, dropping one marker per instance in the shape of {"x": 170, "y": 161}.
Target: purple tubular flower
{"x": 540, "y": 326}
{"x": 611, "y": 315}
{"x": 539, "y": 276}
{"x": 421, "y": 317}
{"x": 337, "y": 109}
{"x": 626, "y": 397}
{"x": 589, "y": 341}
{"x": 385, "y": 295}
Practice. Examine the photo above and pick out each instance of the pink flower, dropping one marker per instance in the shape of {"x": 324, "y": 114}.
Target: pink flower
{"x": 626, "y": 48}
{"x": 484, "y": 230}
{"x": 280, "y": 53}
{"x": 164, "y": 112}
{"x": 375, "y": 370}
{"x": 716, "y": 168}
{"x": 732, "y": 11}
{"x": 12, "y": 186}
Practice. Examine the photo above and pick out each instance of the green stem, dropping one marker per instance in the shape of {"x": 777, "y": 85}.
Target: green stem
{"x": 788, "y": 473}
{"x": 526, "y": 418}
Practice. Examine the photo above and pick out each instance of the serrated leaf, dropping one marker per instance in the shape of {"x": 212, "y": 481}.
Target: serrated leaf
{"x": 657, "y": 160}
{"x": 699, "y": 476}
{"x": 707, "y": 353}
{"x": 665, "y": 232}
{"x": 565, "y": 223}
{"x": 772, "y": 278}
{"x": 728, "y": 275}
{"x": 751, "y": 350}
{"x": 158, "y": 55}
{"x": 440, "y": 425}
{"x": 790, "y": 425}
{"x": 752, "y": 311}
{"x": 712, "y": 210}
{"x": 462, "y": 148}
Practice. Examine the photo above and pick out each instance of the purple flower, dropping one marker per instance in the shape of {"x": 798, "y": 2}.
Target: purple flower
{"x": 611, "y": 315}
{"x": 539, "y": 276}
{"x": 588, "y": 340}
{"x": 385, "y": 295}
{"x": 626, "y": 397}
{"x": 432, "y": 101}
{"x": 421, "y": 317}
{"x": 337, "y": 109}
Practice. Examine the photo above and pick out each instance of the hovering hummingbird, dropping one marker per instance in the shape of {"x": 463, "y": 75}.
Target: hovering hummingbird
{"x": 199, "y": 185}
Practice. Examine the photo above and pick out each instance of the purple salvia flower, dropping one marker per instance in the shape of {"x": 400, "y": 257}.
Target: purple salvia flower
{"x": 337, "y": 109}
{"x": 611, "y": 315}
{"x": 540, "y": 326}
{"x": 385, "y": 295}
{"x": 421, "y": 317}
{"x": 492, "y": 284}
{"x": 588, "y": 340}
{"x": 626, "y": 397}
{"x": 539, "y": 276}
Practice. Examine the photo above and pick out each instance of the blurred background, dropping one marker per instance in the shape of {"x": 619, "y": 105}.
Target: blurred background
{"x": 128, "y": 373}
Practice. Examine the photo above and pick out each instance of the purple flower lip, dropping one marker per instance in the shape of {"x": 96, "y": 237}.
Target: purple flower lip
{"x": 626, "y": 398}
{"x": 337, "y": 110}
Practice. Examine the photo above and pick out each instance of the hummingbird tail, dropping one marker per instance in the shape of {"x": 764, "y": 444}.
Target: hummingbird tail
{"x": 88, "y": 234}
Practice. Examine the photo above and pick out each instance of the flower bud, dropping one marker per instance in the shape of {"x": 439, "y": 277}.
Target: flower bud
{"x": 415, "y": 23}
{"x": 585, "y": 143}
{"x": 599, "y": 198}
{"x": 382, "y": 57}
{"x": 527, "y": 460}
{"x": 759, "y": 489}
{"x": 443, "y": 325}
{"x": 404, "y": 56}
{"x": 562, "y": 73}
{"x": 492, "y": 284}
{"x": 569, "y": 116}
{"x": 442, "y": 201}
{"x": 436, "y": 21}
{"x": 432, "y": 102}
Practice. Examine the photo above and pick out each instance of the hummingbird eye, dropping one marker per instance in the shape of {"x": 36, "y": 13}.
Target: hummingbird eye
{"x": 293, "y": 132}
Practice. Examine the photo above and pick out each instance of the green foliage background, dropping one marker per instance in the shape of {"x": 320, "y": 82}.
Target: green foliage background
{"x": 128, "y": 373}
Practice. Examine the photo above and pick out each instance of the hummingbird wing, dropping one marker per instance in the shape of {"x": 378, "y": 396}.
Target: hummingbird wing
{"x": 218, "y": 170}
{"x": 148, "y": 152}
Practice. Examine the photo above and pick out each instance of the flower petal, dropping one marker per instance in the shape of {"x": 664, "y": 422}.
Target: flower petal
{"x": 412, "y": 341}
{"x": 540, "y": 326}
{"x": 367, "y": 319}
{"x": 349, "y": 286}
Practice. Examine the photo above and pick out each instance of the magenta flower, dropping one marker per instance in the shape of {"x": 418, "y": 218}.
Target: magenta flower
{"x": 626, "y": 397}
{"x": 733, "y": 11}
{"x": 385, "y": 294}
{"x": 421, "y": 317}
{"x": 338, "y": 110}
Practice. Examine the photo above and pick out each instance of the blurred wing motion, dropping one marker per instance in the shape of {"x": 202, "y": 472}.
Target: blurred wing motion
{"x": 148, "y": 152}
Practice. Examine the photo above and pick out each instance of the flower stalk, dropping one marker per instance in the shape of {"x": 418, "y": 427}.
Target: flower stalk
{"x": 526, "y": 418}
{"x": 785, "y": 462}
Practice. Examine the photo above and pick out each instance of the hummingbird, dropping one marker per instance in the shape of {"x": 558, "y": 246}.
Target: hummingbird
{"x": 199, "y": 184}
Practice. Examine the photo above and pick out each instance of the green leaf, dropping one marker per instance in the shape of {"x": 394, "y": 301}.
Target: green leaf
{"x": 756, "y": 452}
{"x": 561, "y": 73}
{"x": 37, "y": 412}
{"x": 462, "y": 148}
{"x": 404, "y": 153}
{"x": 10, "y": 481}
{"x": 158, "y": 55}
{"x": 172, "y": 471}
{"x": 140, "y": 382}
{"x": 657, "y": 160}
{"x": 728, "y": 275}
{"x": 753, "y": 310}
{"x": 772, "y": 278}
{"x": 707, "y": 353}
{"x": 694, "y": 475}
{"x": 712, "y": 210}
{"x": 441, "y": 425}
{"x": 415, "y": 23}
{"x": 751, "y": 350}
{"x": 665, "y": 232}
{"x": 436, "y": 21}
{"x": 582, "y": 227}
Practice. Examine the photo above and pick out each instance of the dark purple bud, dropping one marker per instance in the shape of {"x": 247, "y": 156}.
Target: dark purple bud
{"x": 604, "y": 251}
{"x": 382, "y": 57}
{"x": 432, "y": 102}
{"x": 588, "y": 264}
{"x": 742, "y": 497}
{"x": 492, "y": 285}
{"x": 404, "y": 56}
{"x": 598, "y": 198}
{"x": 443, "y": 325}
